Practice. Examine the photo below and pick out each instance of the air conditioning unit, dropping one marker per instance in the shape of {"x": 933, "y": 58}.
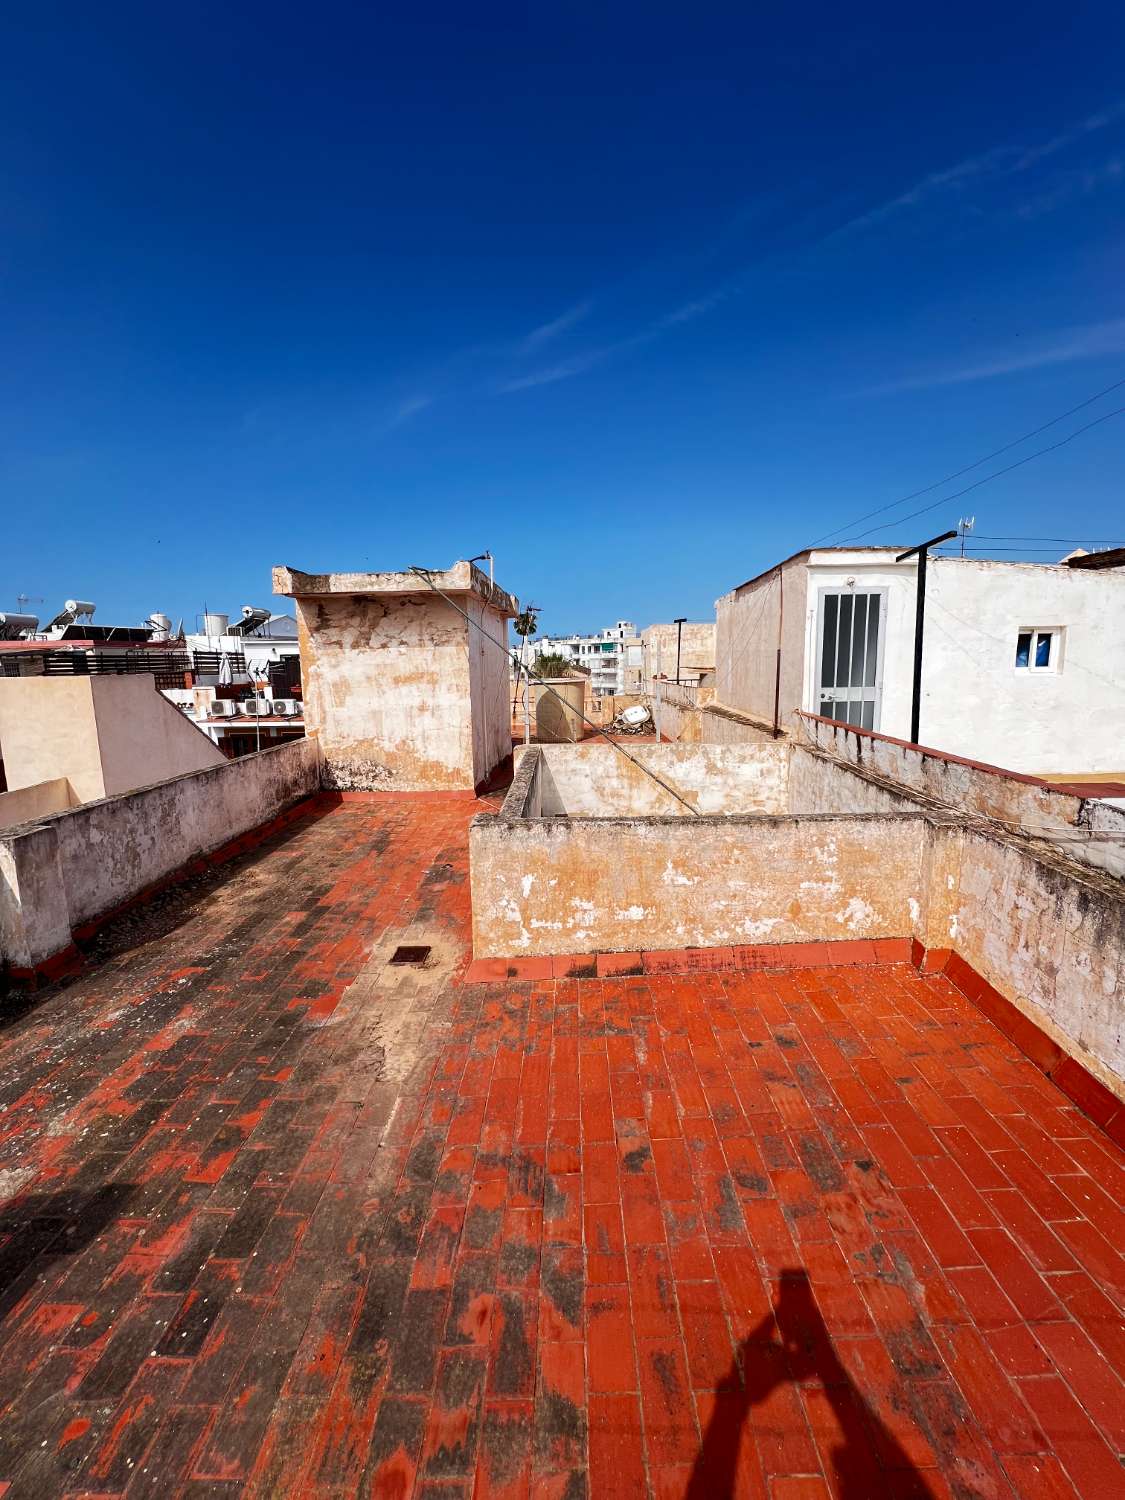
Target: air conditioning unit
{"x": 286, "y": 706}
{"x": 256, "y": 708}
{"x": 223, "y": 708}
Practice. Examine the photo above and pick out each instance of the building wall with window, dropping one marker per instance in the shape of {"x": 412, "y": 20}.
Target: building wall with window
{"x": 846, "y": 624}
{"x": 979, "y": 700}
{"x": 613, "y": 657}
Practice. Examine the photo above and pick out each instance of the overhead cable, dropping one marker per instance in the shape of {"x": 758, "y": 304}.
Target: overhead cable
{"x": 424, "y": 574}
{"x": 957, "y": 473}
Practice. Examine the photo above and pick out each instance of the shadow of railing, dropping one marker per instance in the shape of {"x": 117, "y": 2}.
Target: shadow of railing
{"x": 804, "y": 1353}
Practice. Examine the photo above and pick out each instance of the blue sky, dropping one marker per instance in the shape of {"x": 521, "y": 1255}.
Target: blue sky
{"x": 642, "y": 298}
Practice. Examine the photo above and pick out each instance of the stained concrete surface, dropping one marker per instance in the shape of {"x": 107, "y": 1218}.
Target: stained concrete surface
{"x": 276, "y": 1219}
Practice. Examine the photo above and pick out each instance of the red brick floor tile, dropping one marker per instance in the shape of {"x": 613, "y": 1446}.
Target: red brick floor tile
{"x": 1093, "y": 1380}
{"x": 611, "y": 1366}
{"x": 1038, "y": 1476}
{"x": 617, "y": 1462}
{"x": 1090, "y": 1465}
{"x": 504, "y": 1465}
{"x": 669, "y": 1417}
{"x": 707, "y": 1338}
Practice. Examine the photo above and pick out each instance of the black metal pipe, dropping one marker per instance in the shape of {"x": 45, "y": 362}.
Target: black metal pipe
{"x": 922, "y": 551}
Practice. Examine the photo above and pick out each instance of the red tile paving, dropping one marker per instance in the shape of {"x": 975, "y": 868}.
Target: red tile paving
{"x": 281, "y": 1220}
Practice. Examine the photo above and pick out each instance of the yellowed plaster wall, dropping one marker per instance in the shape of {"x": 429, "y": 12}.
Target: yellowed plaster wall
{"x": 748, "y": 620}
{"x": 142, "y": 737}
{"x": 549, "y": 886}
{"x": 1047, "y": 934}
{"x": 38, "y": 801}
{"x": 387, "y": 689}
{"x": 48, "y": 730}
{"x": 489, "y": 683}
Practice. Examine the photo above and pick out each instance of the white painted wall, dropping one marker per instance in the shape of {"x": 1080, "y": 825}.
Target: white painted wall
{"x": 869, "y": 570}
{"x": 975, "y": 702}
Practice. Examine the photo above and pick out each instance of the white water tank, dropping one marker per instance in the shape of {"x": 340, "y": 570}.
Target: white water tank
{"x": 11, "y": 624}
{"x": 215, "y": 624}
{"x": 161, "y": 626}
{"x": 78, "y": 607}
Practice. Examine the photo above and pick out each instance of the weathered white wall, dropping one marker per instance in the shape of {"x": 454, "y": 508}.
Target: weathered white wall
{"x": 76, "y": 865}
{"x": 976, "y": 703}
{"x": 746, "y": 642}
{"x": 697, "y": 647}
{"x": 1085, "y": 829}
{"x": 386, "y": 685}
{"x": 720, "y": 725}
{"x": 104, "y": 734}
{"x": 489, "y": 679}
{"x": 1048, "y": 935}
{"x": 36, "y": 801}
{"x": 560, "y": 886}
{"x": 594, "y": 779}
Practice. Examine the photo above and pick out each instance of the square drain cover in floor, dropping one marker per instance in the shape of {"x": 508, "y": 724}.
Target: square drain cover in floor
{"x": 408, "y": 955}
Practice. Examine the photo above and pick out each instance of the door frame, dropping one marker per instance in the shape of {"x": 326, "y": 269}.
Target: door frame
{"x": 845, "y": 590}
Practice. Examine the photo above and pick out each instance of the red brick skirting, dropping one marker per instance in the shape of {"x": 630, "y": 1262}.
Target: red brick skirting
{"x": 1066, "y": 1072}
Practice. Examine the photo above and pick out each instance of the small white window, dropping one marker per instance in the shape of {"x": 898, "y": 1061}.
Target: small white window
{"x": 1038, "y": 649}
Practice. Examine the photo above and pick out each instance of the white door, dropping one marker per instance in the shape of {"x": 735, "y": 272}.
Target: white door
{"x": 850, "y": 655}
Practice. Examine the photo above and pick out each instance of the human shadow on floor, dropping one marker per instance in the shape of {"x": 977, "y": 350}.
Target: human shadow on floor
{"x": 38, "y": 1230}
{"x": 804, "y": 1353}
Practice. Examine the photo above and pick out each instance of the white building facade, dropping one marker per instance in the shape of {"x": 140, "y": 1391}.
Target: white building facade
{"x": 1022, "y": 662}
{"x": 613, "y": 657}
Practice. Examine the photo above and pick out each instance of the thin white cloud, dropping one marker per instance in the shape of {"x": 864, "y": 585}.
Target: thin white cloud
{"x": 1068, "y": 137}
{"x": 1089, "y": 341}
{"x": 1069, "y": 186}
{"x": 579, "y": 364}
{"x": 403, "y": 412}
{"x": 548, "y": 331}
{"x": 566, "y": 369}
{"x": 993, "y": 165}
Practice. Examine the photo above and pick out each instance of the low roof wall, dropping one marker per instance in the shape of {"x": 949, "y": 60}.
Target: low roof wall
{"x": 66, "y": 869}
{"x": 1085, "y": 828}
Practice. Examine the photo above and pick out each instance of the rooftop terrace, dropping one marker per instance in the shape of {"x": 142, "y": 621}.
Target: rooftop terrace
{"x": 281, "y": 1217}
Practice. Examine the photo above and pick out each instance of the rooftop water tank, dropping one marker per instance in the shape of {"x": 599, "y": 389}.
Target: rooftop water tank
{"x": 78, "y": 607}
{"x": 13, "y": 624}
{"x": 215, "y": 624}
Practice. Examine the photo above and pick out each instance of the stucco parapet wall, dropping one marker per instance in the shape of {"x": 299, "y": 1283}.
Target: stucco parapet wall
{"x": 1088, "y": 829}
{"x": 461, "y": 579}
{"x": 65, "y": 870}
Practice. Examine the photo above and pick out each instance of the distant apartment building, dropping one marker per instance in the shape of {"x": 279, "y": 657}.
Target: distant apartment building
{"x": 614, "y": 657}
{"x": 1022, "y": 663}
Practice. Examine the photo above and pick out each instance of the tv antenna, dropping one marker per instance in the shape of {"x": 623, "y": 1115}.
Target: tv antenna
{"x": 964, "y": 526}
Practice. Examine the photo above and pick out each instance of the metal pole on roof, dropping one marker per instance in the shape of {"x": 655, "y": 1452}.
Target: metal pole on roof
{"x": 679, "y": 624}
{"x": 777, "y": 664}
{"x": 920, "y": 552}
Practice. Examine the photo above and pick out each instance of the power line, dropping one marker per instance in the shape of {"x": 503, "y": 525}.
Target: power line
{"x": 949, "y": 478}
{"x": 991, "y": 550}
{"x": 424, "y": 574}
{"x": 997, "y": 474}
{"x": 1066, "y": 541}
